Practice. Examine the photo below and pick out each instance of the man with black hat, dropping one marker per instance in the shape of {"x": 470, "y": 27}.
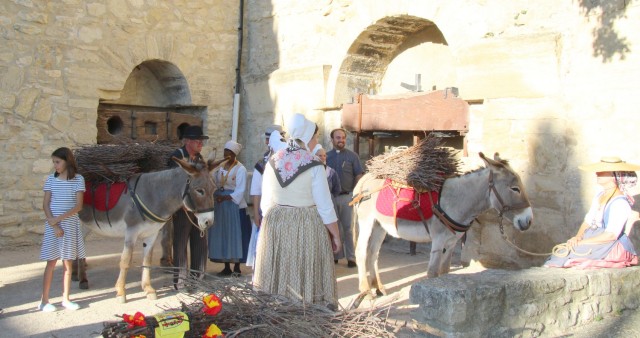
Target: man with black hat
{"x": 184, "y": 229}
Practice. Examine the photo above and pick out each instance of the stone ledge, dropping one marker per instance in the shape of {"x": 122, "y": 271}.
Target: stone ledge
{"x": 536, "y": 301}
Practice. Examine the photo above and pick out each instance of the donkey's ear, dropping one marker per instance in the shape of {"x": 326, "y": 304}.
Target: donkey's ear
{"x": 488, "y": 161}
{"x": 212, "y": 165}
{"x": 188, "y": 167}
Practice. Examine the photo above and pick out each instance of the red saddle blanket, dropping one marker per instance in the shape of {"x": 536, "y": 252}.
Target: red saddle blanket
{"x": 396, "y": 201}
{"x": 99, "y": 198}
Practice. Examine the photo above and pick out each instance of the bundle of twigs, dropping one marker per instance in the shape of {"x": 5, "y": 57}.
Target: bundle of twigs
{"x": 248, "y": 312}
{"x": 117, "y": 162}
{"x": 423, "y": 166}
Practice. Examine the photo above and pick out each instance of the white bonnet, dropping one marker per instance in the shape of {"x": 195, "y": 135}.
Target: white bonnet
{"x": 276, "y": 143}
{"x": 233, "y": 146}
{"x": 300, "y": 128}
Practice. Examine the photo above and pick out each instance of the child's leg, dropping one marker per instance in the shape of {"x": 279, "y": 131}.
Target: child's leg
{"x": 66, "y": 282}
{"x": 46, "y": 280}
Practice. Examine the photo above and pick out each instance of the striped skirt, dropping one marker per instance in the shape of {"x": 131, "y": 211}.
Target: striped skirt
{"x": 294, "y": 256}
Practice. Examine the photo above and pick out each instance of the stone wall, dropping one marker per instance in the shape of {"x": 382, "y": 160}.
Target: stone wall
{"x": 537, "y": 302}
{"x": 552, "y": 86}
{"x": 58, "y": 59}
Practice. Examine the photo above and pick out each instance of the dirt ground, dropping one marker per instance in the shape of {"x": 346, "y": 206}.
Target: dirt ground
{"x": 21, "y": 286}
{"x": 21, "y": 283}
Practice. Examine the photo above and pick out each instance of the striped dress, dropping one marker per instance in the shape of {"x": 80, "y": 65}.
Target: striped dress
{"x": 63, "y": 198}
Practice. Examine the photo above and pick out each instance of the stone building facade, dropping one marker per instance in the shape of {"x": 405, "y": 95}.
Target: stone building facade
{"x": 551, "y": 84}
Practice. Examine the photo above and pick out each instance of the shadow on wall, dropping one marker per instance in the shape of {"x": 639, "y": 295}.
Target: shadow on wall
{"x": 260, "y": 58}
{"x": 607, "y": 43}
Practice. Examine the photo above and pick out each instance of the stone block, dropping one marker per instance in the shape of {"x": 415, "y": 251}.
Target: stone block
{"x": 27, "y": 29}
{"x": 26, "y": 100}
{"x": 96, "y": 9}
{"x": 12, "y": 78}
{"x": 43, "y": 111}
{"x": 11, "y": 220}
{"x": 7, "y": 100}
{"x": 13, "y": 232}
{"x": 599, "y": 285}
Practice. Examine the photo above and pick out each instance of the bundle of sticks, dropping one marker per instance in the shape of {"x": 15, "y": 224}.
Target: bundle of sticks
{"x": 423, "y": 166}
{"x": 248, "y": 312}
{"x": 117, "y": 162}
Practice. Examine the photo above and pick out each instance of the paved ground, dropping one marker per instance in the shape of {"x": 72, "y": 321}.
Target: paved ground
{"x": 21, "y": 283}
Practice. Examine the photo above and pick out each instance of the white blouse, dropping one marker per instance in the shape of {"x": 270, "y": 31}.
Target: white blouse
{"x": 308, "y": 189}
{"x": 236, "y": 181}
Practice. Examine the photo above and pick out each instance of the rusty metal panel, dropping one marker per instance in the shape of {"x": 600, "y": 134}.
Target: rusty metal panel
{"x": 437, "y": 110}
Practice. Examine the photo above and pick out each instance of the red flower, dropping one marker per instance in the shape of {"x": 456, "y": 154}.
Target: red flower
{"x": 134, "y": 320}
{"x": 212, "y": 304}
{"x": 288, "y": 166}
{"x": 213, "y": 331}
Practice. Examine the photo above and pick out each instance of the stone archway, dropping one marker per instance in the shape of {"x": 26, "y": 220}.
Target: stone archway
{"x": 155, "y": 83}
{"x": 376, "y": 47}
{"x": 154, "y": 104}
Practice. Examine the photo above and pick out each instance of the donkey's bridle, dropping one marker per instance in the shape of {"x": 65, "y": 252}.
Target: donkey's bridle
{"x": 189, "y": 203}
{"x": 149, "y": 215}
{"x": 504, "y": 207}
{"x": 457, "y": 227}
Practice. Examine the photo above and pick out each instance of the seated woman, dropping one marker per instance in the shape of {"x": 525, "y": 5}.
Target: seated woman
{"x": 601, "y": 241}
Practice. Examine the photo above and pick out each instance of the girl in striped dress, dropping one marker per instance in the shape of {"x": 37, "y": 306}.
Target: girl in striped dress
{"x": 63, "y": 193}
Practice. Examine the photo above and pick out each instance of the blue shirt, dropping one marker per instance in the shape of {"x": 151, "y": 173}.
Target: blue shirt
{"x": 347, "y": 164}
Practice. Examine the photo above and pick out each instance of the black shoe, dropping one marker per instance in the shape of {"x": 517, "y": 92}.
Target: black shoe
{"x": 225, "y": 273}
{"x": 335, "y": 261}
{"x": 351, "y": 264}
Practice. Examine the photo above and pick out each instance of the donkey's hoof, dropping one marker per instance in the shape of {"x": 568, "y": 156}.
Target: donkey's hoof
{"x": 84, "y": 284}
{"x": 152, "y": 296}
{"x": 381, "y": 292}
{"x": 121, "y": 299}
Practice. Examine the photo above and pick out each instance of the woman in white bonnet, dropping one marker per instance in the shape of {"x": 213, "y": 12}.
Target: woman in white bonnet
{"x": 601, "y": 241}
{"x": 231, "y": 231}
{"x": 299, "y": 230}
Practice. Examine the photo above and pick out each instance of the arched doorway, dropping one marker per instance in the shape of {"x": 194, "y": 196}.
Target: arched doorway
{"x": 400, "y": 57}
{"x": 154, "y": 105}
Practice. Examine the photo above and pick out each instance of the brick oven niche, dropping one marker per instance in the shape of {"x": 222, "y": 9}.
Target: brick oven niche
{"x": 154, "y": 105}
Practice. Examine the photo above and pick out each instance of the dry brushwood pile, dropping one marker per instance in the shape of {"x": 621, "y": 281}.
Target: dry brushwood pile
{"x": 423, "y": 166}
{"x": 103, "y": 163}
{"x": 246, "y": 312}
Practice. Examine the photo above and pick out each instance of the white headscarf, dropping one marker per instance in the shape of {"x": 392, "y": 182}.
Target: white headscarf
{"x": 276, "y": 143}
{"x": 316, "y": 149}
{"x": 233, "y": 146}
{"x": 301, "y": 129}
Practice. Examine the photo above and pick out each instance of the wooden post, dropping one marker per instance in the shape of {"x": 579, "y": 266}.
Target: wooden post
{"x": 412, "y": 245}
{"x": 372, "y": 152}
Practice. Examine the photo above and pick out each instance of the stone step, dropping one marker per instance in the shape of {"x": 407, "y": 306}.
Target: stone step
{"x": 532, "y": 302}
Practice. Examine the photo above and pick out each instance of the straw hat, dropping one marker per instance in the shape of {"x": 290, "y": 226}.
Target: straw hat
{"x": 610, "y": 163}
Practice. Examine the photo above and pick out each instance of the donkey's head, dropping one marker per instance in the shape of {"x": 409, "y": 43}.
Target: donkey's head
{"x": 506, "y": 192}
{"x": 198, "y": 192}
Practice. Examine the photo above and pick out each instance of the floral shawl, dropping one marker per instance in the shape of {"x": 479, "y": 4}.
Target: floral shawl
{"x": 290, "y": 162}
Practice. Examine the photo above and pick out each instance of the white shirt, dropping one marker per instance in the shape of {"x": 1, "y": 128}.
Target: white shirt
{"x": 256, "y": 183}
{"x": 308, "y": 189}
{"x": 236, "y": 181}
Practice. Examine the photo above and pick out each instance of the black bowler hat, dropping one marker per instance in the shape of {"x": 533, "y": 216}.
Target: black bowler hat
{"x": 194, "y": 133}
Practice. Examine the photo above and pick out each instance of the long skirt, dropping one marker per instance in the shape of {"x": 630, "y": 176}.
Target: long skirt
{"x": 294, "y": 256}
{"x": 585, "y": 256}
{"x": 231, "y": 231}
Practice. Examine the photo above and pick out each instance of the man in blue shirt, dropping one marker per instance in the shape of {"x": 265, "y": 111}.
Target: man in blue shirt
{"x": 347, "y": 164}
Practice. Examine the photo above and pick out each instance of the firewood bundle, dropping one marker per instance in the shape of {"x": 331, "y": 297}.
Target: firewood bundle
{"x": 247, "y": 312}
{"x": 117, "y": 162}
{"x": 423, "y": 166}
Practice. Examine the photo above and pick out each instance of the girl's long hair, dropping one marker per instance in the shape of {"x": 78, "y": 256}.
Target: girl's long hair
{"x": 66, "y": 155}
